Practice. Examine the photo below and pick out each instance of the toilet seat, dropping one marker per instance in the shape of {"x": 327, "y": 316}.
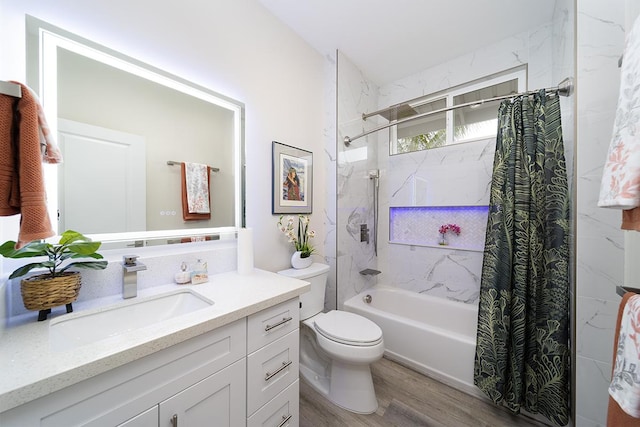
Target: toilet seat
{"x": 348, "y": 328}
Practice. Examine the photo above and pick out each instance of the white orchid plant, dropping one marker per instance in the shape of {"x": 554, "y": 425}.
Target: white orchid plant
{"x": 300, "y": 237}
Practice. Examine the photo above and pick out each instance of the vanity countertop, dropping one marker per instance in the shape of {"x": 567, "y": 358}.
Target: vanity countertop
{"x": 31, "y": 369}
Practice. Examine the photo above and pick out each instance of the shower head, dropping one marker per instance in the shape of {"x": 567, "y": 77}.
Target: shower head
{"x": 374, "y": 173}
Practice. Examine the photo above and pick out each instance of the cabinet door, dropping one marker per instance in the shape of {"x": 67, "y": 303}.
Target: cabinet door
{"x": 218, "y": 400}
{"x": 148, "y": 418}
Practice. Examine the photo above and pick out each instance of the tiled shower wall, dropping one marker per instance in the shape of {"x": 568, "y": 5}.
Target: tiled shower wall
{"x": 458, "y": 175}
{"x": 329, "y": 137}
{"x": 356, "y": 94}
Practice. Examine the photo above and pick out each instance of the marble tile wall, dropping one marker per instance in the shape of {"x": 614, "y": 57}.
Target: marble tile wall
{"x": 356, "y": 94}
{"x": 329, "y": 137}
{"x": 456, "y": 175}
{"x": 600, "y": 242}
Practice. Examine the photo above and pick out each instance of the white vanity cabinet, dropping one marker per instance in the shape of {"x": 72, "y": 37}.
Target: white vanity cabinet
{"x": 273, "y": 342}
{"x": 202, "y": 376}
{"x": 244, "y": 373}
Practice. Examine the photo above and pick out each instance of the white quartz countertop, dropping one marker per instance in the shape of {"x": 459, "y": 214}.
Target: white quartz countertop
{"x": 32, "y": 369}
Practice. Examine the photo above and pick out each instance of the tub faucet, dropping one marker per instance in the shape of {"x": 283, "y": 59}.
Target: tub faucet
{"x": 130, "y": 275}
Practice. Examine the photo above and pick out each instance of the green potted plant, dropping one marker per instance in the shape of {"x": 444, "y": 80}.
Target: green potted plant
{"x": 57, "y": 286}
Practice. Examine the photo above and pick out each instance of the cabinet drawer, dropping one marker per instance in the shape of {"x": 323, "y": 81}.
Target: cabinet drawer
{"x": 272, "y": 323}
{"x": 282, "y": 411}
{"x": 271, "y": 369}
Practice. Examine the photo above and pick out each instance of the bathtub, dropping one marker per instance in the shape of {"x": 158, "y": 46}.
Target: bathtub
{"x": 431, "y": 335}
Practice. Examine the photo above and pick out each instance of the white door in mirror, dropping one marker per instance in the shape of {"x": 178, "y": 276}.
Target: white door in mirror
{"x": 113, "y": 163}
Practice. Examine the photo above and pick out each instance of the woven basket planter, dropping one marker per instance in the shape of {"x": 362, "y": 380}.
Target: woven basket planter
{"x": 43, "y": 292}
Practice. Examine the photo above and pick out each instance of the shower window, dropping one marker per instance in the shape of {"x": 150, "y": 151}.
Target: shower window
{"x": 428, "y": 132}
{"x": 481, "y": 120}
{"x": 454, "y": 126}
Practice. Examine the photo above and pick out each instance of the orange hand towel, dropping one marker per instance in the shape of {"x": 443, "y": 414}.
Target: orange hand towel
{"x": 22, "y": 189}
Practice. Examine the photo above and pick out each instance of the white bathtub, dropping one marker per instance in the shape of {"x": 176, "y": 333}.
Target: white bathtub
{"x": 432, "y": 335}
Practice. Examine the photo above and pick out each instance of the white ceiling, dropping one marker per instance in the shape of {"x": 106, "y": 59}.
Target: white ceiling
{"x": 391, "y": 39}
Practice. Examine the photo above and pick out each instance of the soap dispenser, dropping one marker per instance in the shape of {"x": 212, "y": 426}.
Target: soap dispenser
{"x": 183, "y": 276}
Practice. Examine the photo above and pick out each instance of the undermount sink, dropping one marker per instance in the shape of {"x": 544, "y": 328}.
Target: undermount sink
{"x": 80, "y": 329}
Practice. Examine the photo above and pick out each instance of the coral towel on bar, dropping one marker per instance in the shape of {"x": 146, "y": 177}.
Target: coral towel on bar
{"x": 625, "y": 381}
{"x": 22, "y": 189}
{"x": 620, "y": 187}
{"x": 195, "y": 191}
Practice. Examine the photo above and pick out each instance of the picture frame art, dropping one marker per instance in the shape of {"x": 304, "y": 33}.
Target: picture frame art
{"x": 292, "y": 179}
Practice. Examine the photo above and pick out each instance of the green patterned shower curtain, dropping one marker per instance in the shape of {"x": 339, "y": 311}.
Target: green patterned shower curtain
{"x": 522, "y": 352}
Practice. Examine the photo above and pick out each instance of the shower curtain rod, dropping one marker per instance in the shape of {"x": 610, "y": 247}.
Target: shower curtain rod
{"x": 564, "y": 88}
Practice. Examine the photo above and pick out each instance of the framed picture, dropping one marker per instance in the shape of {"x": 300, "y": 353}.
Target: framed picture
{"x": 292, "y": 175}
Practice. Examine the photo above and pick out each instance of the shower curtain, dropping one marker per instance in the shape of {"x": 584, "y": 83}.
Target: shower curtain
{"x": 522, "y": 353}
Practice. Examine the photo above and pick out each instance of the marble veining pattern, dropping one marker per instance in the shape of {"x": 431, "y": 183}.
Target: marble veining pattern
{"x": 600, "y": 247}
{"x": 330, "y": 153}
{"x": 354, "y": 188}
{"x": 458, "y": 175}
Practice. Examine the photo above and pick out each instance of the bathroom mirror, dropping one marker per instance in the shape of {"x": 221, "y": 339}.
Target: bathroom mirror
{"x": 124, "y": 127}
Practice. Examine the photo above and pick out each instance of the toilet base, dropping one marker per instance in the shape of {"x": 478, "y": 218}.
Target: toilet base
{"x": 349, "y": 387}
{"x": 352, "y": 387}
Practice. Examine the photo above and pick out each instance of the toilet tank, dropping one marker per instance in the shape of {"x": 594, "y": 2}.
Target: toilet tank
{"x": 312, "y": 302}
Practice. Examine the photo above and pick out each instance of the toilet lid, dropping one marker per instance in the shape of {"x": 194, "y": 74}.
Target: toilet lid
{"x": 348, "y": 328}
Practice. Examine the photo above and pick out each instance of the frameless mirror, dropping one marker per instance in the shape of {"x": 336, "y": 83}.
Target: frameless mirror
{"x": 124, "y": 128}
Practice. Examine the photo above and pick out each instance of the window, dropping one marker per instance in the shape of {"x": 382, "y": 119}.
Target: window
{"x": 456, "y": 125}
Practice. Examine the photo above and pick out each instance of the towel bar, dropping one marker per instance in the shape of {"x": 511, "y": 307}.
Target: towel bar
{"x": 621, "y": 290}
{"x": 173, "y": 163}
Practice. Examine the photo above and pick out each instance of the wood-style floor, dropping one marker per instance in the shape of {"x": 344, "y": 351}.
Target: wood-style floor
{"x": 407, "y": 398}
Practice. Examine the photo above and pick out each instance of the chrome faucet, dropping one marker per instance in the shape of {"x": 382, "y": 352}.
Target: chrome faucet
{"x": 130, "y": 275}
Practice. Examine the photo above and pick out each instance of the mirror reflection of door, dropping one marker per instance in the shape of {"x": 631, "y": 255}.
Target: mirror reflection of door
{"x": 109, "y": 191}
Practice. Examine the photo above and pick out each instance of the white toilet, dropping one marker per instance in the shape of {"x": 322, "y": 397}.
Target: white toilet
{"x": 337, "y": 347}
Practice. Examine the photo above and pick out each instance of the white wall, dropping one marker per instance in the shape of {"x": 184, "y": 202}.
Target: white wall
{"x": 233, "y": 47}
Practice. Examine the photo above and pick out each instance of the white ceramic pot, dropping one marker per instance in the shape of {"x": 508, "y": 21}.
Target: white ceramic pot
{"x": 298, "y": 262}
